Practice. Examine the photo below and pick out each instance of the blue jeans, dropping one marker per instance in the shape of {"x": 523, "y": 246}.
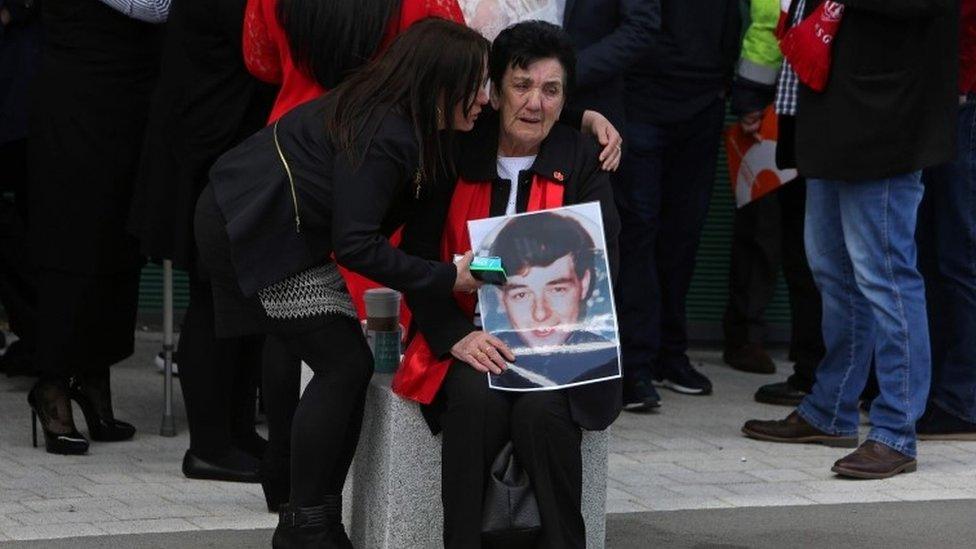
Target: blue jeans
{"x": 860, "y": 240}
{"x": 948, "y": 240}
{"x": 662, "y": 193}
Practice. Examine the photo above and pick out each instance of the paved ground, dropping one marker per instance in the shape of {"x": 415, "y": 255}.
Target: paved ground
{"x": 689, "y": 458}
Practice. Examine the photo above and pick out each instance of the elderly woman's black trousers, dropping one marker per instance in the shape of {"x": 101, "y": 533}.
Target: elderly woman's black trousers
{"x": 476, "y": 423}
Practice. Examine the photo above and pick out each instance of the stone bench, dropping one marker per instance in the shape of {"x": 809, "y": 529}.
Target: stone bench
{"x": 393, "y": 494}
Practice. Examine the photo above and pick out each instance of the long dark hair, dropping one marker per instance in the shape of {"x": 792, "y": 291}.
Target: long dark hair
{"x": 427, "y": 71}
{"x": 330, "y": 38}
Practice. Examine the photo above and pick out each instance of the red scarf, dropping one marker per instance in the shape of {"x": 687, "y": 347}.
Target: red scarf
{"x": 807, "y": 46}
{"x": 422, "y": 373}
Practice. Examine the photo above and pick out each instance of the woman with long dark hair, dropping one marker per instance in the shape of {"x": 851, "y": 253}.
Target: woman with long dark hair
{"x": 308, "y": 47}
{"x": 327, "y": 183}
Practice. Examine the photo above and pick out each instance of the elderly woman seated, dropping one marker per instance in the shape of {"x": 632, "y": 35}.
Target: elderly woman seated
{"x": 517, "y": 159}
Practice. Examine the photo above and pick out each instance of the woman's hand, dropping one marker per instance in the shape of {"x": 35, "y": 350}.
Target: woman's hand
{"x": 598, "y": 126}
{"x": 483, "y": 352}
{"x": 464, "y": 281}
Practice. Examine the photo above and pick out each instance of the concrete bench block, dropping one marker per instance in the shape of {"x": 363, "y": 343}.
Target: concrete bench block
{"x": 393, "y": 497}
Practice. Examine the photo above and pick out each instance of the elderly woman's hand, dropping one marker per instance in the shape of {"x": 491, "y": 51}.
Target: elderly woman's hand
{"x": 483, "y": 352}
{"x": 597, "y": 125}
{"x": 464, "y": 282}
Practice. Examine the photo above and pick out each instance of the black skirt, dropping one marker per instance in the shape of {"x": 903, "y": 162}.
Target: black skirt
{"x": 235, "y": 314}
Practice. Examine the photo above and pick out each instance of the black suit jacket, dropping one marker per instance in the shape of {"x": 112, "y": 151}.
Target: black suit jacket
{"x": 890, "y": 104}
{"x": 610, "y": 35}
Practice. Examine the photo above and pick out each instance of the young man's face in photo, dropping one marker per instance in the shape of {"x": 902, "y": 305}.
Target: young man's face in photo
{"x": 542, "y": 303}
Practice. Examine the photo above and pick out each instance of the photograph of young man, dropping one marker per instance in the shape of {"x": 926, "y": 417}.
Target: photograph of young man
{"x": 551, "y": 267}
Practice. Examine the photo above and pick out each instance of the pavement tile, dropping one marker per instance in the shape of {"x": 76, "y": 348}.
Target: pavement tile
{"x": 70, "y": 504}
{"x": 780, "y": 475}
{"x": 51, "y": 531}
{"x": 678, "y": 503}
{"x": 711, "y": 478}
{"x": 766, "y": 500}
{"x": 850, "y": 497}
{"x": 927, "y": 495}
{"x": 120, "y": 527}
{"x": 59, "y": 517}
{"x": 700, "y": 490}
{"x": 127, "y": 513}
{"x": 624, "y": 506}
{"x": 235, "y": 523}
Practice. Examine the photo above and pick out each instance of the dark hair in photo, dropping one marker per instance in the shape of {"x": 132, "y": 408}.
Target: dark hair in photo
{"x": 538, "y": 240}
{"x": 525, "y": 43}
{"x": 330, "y": 38}
{"x": 428, "y": 70}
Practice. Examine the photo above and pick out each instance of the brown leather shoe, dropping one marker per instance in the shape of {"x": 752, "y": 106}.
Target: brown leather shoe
{"x": 794, "y": 429}
{"x": 874, "y": 460}
{"x": 751, "y": 358}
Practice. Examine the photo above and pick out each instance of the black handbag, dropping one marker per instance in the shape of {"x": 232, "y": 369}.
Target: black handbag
{"x": 510, "y": 516}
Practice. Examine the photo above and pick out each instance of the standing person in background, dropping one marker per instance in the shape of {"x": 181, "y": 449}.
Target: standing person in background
{"x": 886, "y": 111}
{"x": 204, "y": 104}
{"x": 308, "y": 47}
{"x": 768, "y": 232}
{"x": 947, "y": 248}
{"x": 807, "y": 348}
{"x": 89, "y": 114}
{"x": 20, "y": 43}
{"x": 675, "y": 112}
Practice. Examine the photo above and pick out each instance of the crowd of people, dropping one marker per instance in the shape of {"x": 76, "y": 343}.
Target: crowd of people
{"x": 290, "y": 154}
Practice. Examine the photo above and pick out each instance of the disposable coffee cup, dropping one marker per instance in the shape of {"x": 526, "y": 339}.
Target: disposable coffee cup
{"x": 383, "y": 328}
{"x": 382, "y": 309}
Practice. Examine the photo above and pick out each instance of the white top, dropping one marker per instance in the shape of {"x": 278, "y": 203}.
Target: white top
{"x": 490, "y": 17}
{"x": 509, "y": 168}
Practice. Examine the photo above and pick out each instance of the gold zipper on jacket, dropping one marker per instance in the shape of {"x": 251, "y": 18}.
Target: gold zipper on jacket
{"x": 291, "y": 180}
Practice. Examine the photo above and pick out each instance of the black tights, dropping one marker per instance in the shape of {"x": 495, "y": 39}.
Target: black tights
{"x": 219, "y": 381}
{"x": 326, "y": 424}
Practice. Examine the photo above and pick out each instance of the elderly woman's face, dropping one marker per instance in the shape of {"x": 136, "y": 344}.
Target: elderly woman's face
{"x": 529, "y": 102}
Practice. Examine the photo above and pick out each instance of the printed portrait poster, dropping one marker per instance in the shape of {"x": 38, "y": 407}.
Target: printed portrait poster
{"x": 555, "y": 310}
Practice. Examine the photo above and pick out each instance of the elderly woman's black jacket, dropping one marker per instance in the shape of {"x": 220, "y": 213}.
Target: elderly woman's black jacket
{"x": 575, "y": 157}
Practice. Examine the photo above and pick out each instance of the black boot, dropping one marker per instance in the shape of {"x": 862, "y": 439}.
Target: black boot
{"x": 333, "y": 505}
{"x": 302, "y": 528}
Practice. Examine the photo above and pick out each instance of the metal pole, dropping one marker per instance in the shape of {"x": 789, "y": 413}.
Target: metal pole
{"x": 168, "y": 427}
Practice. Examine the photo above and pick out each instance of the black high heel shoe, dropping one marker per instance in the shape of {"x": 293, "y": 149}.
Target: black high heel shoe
{"x": 49, "y": 402}
{"x": 94, "y": 397}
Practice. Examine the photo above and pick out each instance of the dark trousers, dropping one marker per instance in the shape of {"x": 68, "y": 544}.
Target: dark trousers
{"x": 947, "y": 258}
{"x": 767, "y": 235}
{"x": 18, "y": 291}
{"x": 219, "y": 378}
{"x": 662, "y": 192}
{"x": 477, "y": 422}
{"x": 327, "y": 422}
{"x": 85, "y": 323}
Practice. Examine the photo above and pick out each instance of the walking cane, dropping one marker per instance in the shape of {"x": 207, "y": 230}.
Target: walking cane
{"x": 168, "y": 428}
